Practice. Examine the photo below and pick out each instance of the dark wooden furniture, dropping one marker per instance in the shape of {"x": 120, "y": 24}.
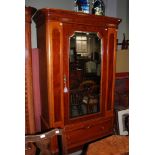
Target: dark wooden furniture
{"x": 122, "y": 89}
{"x": 55, "y": 29}
{"x": 41, "y": 142}
{"x": 112, "y": 145}
{"x": 29, "y": 104}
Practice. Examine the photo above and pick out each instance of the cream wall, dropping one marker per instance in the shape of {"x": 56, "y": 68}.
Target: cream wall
{"x": 122, "y": 61}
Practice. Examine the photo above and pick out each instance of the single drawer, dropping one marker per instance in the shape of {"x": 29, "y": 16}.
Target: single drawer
{"x": 88, "y": 132}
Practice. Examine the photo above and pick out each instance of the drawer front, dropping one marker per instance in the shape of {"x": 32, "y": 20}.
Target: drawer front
{"x": 88, "y": 132}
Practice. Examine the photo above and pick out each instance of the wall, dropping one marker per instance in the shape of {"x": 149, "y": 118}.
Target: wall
{"x": 122, "y": 61}
{"x": 123, "y": 13}
{"x": 119, "y": 9}
{"x": 60, "y": 4}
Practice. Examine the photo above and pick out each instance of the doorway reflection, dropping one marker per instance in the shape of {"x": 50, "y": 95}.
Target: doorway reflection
{"x": 84, "y": 73}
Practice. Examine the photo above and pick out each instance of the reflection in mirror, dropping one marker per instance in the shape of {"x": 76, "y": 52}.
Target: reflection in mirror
{"x": 84, "y": 73}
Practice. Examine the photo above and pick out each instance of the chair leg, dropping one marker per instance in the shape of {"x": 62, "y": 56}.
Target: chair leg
{"x": 30, "y": 149}
{"x": 43, "y": 146}
{"x": 60, "y": 145}
{"x": 64, "y": 144}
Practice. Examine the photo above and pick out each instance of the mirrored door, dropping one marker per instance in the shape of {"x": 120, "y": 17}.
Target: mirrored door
{"x": 84, "y": 74}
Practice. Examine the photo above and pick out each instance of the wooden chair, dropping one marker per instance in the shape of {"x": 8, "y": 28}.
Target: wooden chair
{"x": 90, "y": 94}
{"x": 87, "y": 94}
{"x": 76, "y": 102}
{"x": 37, "y": 144}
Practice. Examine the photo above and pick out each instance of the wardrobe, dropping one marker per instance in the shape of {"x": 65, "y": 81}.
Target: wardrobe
{"x": 77, "y": 57}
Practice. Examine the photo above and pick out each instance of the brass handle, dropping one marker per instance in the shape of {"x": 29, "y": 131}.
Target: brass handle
{"x": 89, "y": 126}
{"x": 65, "y": 78}
{"x": 65, "y": 84}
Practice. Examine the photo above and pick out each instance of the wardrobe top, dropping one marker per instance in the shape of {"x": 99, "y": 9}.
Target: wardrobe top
{"x": 66, "y": 16}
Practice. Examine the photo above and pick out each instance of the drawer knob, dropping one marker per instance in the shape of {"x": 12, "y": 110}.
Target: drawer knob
{"x": 89, "y": 126}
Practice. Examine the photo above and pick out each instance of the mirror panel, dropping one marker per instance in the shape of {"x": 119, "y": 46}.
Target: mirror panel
{"x": 84, "y": 73}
